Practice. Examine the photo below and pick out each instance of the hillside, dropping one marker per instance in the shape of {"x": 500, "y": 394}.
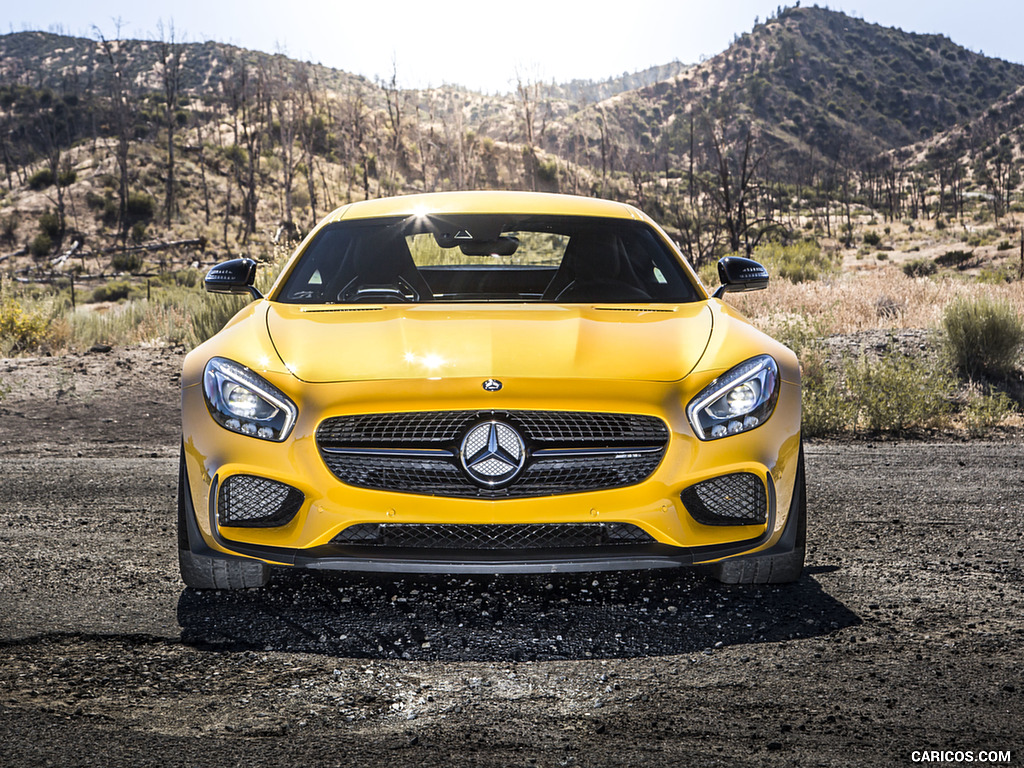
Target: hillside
{"x": 818, "y": 79}
{"x": 812, "y": 108}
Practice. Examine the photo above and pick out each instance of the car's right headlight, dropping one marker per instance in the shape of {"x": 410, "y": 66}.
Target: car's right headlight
{"x": 243, "y": 402}
{"x": 737, "y": 401}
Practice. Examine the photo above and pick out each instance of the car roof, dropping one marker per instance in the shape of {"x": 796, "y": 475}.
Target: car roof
{"x": 486, "y": 202}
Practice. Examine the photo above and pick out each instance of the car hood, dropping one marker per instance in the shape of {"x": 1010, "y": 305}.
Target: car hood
{"x": 366, "y": 343}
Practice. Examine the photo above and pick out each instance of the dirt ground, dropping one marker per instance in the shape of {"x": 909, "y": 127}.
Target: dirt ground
{"x": 905, "y": 634}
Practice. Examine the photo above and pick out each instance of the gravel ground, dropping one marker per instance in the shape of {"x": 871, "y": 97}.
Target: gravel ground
{"x": 906, "y": 633}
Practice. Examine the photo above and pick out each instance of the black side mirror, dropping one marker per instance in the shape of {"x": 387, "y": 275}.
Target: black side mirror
{"x": 236, "y": 277}
{"x": 739, "y": 274}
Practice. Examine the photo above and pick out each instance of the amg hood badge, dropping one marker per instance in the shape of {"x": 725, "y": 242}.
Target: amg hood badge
{"x": 492, "y": 453}
{"x": 492, "y": 385}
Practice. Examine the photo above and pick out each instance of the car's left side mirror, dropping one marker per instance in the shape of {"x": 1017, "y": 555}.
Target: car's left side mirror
{"x": 739, "y": 274}
{"x": 235, "y": 277}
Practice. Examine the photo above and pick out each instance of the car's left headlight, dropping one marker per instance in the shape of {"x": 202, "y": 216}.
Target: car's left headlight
{"x": 243, "y": 402}
{"x": 739, "y": 400}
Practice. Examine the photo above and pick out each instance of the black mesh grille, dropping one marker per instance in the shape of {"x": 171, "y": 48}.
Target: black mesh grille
{"x": 247, "y": 501}
{"x": 626, "y": 449}
{"x": 736, "y": 499}
{"x": 440, "y": 428}
{"x": 491, "y": 536}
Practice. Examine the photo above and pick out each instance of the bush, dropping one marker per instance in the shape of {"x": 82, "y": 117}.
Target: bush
{"x": 213, "y": 313}
{"x": 41, "y": 179}
{"x": 798, "y": 262}
{"x": 826, "y": 408}
{"x": 895, "y": 393}
{"x": 958, "y": 259}
{"x": 140, "y": 206}
{"x": 94, "y": 201}
{"x": 983, "y": 337}
{"x": 872, "y": 238}
{"x": 126, "y": 262}
{"x": 113, "y": 291}
{"x": 21, "y": 331}
{"x": 138, "y": 231}
{"x": 986, "y": 411}
{"x": 49, "y": 224}
{"x": 41, "y": 245}
{"x": 920, "y": 268}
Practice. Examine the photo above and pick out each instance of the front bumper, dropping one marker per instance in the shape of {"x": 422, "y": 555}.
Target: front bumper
{"x": 213, "y": 454}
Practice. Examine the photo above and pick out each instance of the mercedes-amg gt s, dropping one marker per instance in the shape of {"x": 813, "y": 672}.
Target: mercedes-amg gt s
{"x": 485, "y": 382}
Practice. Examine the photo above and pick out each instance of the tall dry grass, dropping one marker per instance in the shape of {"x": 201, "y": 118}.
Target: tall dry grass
{"x": 884, "y": 299}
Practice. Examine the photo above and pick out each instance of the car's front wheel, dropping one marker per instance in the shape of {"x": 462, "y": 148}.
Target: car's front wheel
{"x": 203, "y": 571}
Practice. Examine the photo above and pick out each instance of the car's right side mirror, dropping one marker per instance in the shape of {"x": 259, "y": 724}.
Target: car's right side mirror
{"x": 739, "y": 274}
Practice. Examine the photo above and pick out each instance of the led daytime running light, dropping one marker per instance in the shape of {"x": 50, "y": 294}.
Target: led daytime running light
{"x": 242, "y": 402}
{"x": 740, "y": 400}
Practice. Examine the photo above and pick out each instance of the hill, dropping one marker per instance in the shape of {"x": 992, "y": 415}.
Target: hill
{"x": 112, "y": 145}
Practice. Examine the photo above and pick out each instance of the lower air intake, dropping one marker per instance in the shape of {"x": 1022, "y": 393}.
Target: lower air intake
{"x": 492, "y": 536}
{"x": 736, "y": 499}
{"x": 247, "y": 501}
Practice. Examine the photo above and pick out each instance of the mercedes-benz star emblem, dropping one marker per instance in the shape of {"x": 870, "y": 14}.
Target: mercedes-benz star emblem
{"x": 492, "y": 453}
{"x": 492, "y": 385}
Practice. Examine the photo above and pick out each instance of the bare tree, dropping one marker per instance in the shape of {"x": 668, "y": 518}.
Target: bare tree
{"x": 733, "y": 184}
{"x": 120, "y": 99}
{"x": 169, "y": 51}
{"x": 528, "y": 92}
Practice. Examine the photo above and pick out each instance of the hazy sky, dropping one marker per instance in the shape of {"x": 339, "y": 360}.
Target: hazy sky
{"x": 482, "y": 44}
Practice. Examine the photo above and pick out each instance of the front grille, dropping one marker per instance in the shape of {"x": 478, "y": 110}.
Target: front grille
{"x": 736, "y": 499}
{"x": 492, "y": 536}
{"x": 418, "y": 452}
{"x": 247, "y": 501}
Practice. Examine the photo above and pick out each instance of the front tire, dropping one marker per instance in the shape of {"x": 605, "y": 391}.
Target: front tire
{"x": 783, "y": 568}
{"x": 206, "y": 572}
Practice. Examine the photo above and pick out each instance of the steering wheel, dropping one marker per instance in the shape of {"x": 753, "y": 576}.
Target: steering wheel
{"x": 386, "y": 294}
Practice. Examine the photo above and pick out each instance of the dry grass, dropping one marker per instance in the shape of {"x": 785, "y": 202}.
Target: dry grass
{"x": 882, "y": 299}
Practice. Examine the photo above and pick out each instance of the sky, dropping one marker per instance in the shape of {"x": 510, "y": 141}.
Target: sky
{"x": 485, "y": 45}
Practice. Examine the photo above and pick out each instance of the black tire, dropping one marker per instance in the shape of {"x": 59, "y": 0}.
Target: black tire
{"x": 783, "y": 568}
{"x": 203, "y": 571}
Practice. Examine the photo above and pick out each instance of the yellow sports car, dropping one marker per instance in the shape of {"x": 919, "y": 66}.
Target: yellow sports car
{"x": 488, "y": 382}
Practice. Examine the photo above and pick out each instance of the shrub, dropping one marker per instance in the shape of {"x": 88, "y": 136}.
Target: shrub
{"x": 983, "y": 337}
{"x": 49, "y": 224}
{"x": 956, "y": 259}
{"x": 8, "y": 229}
{"x": 140, "y": 206}
{"x": 113, "y": 291}
{"x": 94, "y": 201}
{"x": 920, "y": 268}
{"x": 210, "y": 316}
{"x": 41, "y": 179}
{"x": 138, "y": 231}
{"x": 985, "y": 411}
{"x": 895, "y": 393}
{"x": 547, "y": 171}
{"x": 798, "y": 262}
{"x": 21, "y": 330}
{"x": 41, "y": 244}
{"x": 872, "y": 238}
{"x": 126, "y": 262}
{"x": 826, "y": 408}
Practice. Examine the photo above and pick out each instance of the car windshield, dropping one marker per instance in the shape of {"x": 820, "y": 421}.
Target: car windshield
{"x": 487, "y": 258}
